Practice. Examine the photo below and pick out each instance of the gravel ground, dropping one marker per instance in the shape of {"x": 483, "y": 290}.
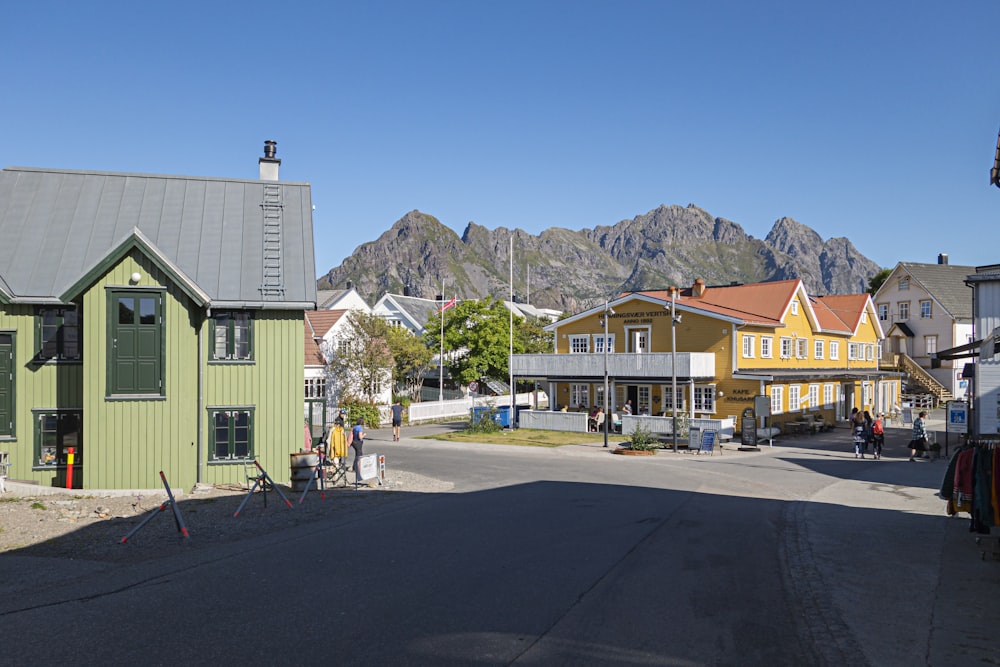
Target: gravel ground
{"x": 84, "y": 527}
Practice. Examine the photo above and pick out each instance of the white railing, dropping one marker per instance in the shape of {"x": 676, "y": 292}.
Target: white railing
{"x": 546, "y": 420}
{"x": 432, "y": 410}
{"x": 664, "y": 425}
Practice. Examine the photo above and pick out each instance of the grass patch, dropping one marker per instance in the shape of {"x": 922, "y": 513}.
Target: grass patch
{"x": 10, "y": 499}
{"x": 524, "y": 437}
{"x": 37, "y": 505}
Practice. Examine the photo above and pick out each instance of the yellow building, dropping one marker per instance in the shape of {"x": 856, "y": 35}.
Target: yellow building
{"x": 808, "y": 355}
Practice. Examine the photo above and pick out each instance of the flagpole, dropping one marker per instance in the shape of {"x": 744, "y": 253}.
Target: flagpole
{"x": 441, "y": 353}
{"x": 510, "y": 359}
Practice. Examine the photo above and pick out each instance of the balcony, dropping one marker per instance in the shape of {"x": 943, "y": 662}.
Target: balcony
{"x": 629, "y": 366}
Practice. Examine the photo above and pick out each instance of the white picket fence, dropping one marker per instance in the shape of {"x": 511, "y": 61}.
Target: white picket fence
{"x": 433, "y": 410}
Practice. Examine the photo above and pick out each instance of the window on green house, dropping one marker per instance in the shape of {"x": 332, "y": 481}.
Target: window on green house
{"x": 232, "y": 434}
{"x": 55, "y": 432}
{"x": 57, "y": 333}
{"x": 232, "y": 336}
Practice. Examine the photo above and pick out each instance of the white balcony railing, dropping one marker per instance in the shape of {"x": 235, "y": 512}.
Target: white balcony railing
{"x": 700, "y": 365}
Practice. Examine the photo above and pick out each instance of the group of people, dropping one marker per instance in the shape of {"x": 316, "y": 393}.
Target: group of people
{"x": 867, "y": 432}
{"x": 356, "y": 436}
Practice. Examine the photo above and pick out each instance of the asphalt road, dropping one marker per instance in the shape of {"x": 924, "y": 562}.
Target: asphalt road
{"x": 794, "y": 555}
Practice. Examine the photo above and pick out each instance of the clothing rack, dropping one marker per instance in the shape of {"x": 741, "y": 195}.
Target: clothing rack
{"x": 972, "y": 484}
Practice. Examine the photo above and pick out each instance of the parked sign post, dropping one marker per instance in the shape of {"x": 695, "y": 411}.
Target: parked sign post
{"x": 748, "y": 429}
{"x": 958, "y": 420}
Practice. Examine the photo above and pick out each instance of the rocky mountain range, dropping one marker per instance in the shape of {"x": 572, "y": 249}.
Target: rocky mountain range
{"x": 572, "y": 270}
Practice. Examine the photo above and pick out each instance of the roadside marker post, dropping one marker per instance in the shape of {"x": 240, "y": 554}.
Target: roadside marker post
{"x": 169, "y": 502}
{"x": 70, "y": 452}
{"x": 264, "y": 481}
{"x": 317, "y": 474}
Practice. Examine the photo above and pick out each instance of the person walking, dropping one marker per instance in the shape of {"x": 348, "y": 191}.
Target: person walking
{"x": 357, "y": 443}
{"x": 858, "y": 433}
{"x": 878, "y": 437}
{"x": 397, "y": 419}
{"x": 869, "y": 422}
{"x": 919, "y": 441}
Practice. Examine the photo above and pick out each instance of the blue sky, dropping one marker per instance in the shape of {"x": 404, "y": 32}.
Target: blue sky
{"x": 876, "y": 121}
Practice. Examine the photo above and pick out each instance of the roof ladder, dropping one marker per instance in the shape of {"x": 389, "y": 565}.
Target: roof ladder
{"x": 273, "y": 285}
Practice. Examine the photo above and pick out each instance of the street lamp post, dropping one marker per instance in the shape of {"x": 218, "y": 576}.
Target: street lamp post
{"x": 607, "y": 415}
{"x": 673, "y": 363}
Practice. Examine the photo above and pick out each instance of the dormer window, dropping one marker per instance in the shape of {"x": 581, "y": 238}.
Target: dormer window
{"x": 795, "y": 307}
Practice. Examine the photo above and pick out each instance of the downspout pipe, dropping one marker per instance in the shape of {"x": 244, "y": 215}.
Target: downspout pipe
{"x": 200, "y": 448}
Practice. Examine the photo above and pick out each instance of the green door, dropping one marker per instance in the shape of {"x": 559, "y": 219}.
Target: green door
{"x": 136, "y": 342}
{"x": 6, "y": 384}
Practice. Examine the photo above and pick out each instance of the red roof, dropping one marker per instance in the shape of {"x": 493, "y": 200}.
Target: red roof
{"x": 756, "y": 303}
{"x": 318, "y": 324}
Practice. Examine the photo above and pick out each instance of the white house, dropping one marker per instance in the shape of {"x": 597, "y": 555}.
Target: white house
{"x": 924, "y": 308}
{"x": 341, "y": 299}
{"x": 986, "y": 285}
{"x": 409, "y": 312}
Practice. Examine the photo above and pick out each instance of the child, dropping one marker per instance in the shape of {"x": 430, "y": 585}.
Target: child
{"x": 878, "y": 436}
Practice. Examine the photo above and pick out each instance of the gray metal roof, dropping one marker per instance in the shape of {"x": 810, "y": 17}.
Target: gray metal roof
{"x": 946, "y": 283}
{"x": 57, "y": 226}
{"x": 418, "y": 311}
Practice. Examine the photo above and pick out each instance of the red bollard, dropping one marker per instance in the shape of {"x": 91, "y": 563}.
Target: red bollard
{"x": 69, "y": 467}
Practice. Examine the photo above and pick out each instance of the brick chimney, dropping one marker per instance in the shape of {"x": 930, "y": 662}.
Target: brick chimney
{"x": 942, "y": 258}
{"x": 698, "y": 289}
{"x": 269, "y": 164}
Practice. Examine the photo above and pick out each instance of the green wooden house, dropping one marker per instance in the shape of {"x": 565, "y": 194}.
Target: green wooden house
{"x": 152, "y": 323}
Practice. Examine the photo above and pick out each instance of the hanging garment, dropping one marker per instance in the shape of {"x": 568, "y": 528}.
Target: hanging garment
{"x": 982, "y": 485}
{"x": 962, "y": 496}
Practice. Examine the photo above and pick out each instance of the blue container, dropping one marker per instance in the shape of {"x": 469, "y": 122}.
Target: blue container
{"x": 502, "y": 416}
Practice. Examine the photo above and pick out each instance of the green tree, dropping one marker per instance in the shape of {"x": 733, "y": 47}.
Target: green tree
{"x": 877, "y": 280}
{"x": 360, "y": 362}
{"x": 476, "y": 339}
{"x": 412, "y": 358}
{"x": 534, "y": 339}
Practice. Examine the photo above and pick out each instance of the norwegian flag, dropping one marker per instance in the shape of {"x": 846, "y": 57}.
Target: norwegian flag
{"x": 450, "y": 304}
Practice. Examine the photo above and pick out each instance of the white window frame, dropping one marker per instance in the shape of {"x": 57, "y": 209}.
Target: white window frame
{"x": 928, "y": 312}
{"x": 828, "y": 394}
{"x": 668, "y": 403}
{"x": 644, "y": 399}
{"x": 795, "y": 307}
{"x": 599, "y": 343}
{"x": 766, "y": 347}
{"x": 579, "y": 344}
{"x": 794, "y": 398}
{"x": 834, "y": 350}
{"x": 883, "y": 312}
{"x": 819, "y": 349}
{"x": 579, "y": 395}
{"x": 903, "y": 308}
{"x": 786, "y": 347}
{"x": 813, "y": 396}
{"x": 904, "y": 283}
{"x": 748, "y": 346}
{"x": 930, "y": 344}
{"x": 801, "y": 348}
{"x": 704, "y": 398}
{"x": 777, "y": 399}
{"x": 869, "y": 352}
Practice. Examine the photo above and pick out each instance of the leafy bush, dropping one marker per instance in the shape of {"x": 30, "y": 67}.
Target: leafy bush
{"x": 370, "y": 413}
{"x": 641, "y": 439}
{"x": 487, "y": 422}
